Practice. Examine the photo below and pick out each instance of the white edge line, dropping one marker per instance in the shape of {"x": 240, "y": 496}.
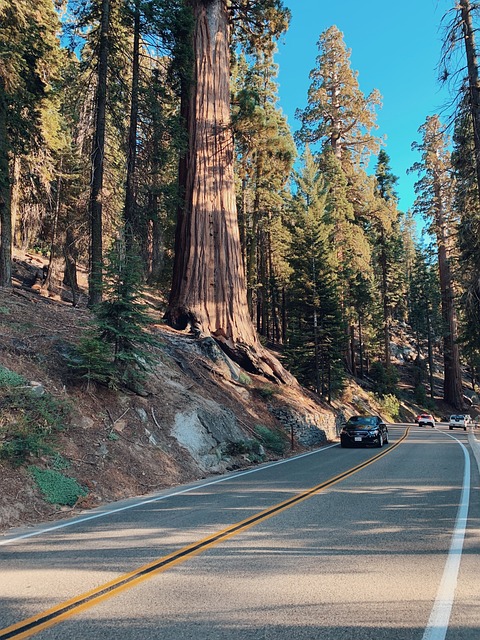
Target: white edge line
{"x": 438, "y": 622}
{"x": 108, "y": 512}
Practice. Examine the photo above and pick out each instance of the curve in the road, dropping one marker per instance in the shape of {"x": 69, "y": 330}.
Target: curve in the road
{"x": 28, "y": 627}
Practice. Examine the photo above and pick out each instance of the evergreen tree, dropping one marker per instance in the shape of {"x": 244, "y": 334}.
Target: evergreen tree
{"x": 338, "y": 114}
{"x": 388, "y": 245}
{"x": 424, "y": 312}
{"x": 265, "y": 152}
{"x": 349, "y": 252}
{"x": 114, "y": 351}
{"x": 434, "y": 199}
{"x": 316, "y": 333}
{"x": 340, "y": 119}
{"x": 467, "y": 207}
{"x": 29, "y": 50}
{"x": 461, "y": 29}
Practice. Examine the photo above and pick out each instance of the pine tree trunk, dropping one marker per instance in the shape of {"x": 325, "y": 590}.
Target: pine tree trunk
{"x": 70, "y": 254}
{"x": 55, "y": 250}
{"x": 131, "y": 223}
{"x": 17, "y": 239}
{"x": 276, "y": 332}
{"x": 360, "y": 342}
{"x": 352, "y": 350}
{"x": 98, "y": 153}
{"x": 5, "y": 212}
{"x": 157, "y": 251}
{"x": 209, "y": 289}
{"x": 473, "y": 81}
{"x": 452, "y": 381}
{"x": 430, "y": 355}
{"x": 386, "y": 309}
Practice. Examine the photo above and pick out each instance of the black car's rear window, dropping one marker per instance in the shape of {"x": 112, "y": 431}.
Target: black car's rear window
{"x": 367, "y": 421}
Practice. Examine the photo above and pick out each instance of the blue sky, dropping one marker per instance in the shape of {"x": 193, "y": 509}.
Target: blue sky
{"x": 395, "y": 47}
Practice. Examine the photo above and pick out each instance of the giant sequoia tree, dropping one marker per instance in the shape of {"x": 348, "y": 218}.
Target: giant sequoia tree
{"x": 209, "y": 289}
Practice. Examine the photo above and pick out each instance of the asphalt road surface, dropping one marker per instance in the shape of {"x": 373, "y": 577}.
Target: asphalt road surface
{"x": 337, "y": 544}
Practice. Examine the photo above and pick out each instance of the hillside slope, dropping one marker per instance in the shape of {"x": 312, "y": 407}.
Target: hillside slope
{"x": 197, "y": 415}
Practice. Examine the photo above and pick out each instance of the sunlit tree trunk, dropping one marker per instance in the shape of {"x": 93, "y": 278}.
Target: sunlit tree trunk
{"x": 209, "y": 288}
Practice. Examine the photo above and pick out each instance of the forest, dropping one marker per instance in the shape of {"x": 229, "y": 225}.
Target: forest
{"x": 142, "y": 141}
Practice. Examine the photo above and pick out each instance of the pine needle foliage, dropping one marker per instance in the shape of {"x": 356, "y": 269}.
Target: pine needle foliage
{"x": 114, "y": 350}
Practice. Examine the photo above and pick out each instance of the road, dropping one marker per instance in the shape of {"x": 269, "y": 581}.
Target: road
{"x": 338, "y": 544}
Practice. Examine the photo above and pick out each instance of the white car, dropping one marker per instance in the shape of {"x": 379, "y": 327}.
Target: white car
{"x": 425, "y": 419}
{"x": 459, "y": 421}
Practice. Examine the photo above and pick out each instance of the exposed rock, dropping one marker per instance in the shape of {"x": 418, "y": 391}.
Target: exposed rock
{"x": 203, "y": 431}
{"x": 309, "y": 429}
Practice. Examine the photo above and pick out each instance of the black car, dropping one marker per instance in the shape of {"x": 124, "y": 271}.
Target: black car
{"x": 364, "y": 430}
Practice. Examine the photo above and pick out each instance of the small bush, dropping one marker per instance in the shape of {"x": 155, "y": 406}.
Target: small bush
{"x": 57, "y": 488}
{"x": 245, "y": 379}
{"x": 91, "y": 361}
{"x": 267, "y": 392}
{"x": 251, "y": 448}
{"x": 237, "y": 448}
{"x": 10, "y": 379}
{"x": 28, "y": 423}
{"x": 420, "y": 394}
{"x": 390, "y": 405}
{"x": 59, "y": 463}
{"x": 385, "y": 378}
{"x": 271, "y": 439}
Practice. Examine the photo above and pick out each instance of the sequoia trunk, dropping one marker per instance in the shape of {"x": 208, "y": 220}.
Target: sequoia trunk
{"x": 209, "y": 288}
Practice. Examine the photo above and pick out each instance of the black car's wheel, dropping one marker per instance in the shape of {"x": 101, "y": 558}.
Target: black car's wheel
{"x": 385, "y": 440}
{"x": 343, "y": 444}
{"x": 380, "y": 440}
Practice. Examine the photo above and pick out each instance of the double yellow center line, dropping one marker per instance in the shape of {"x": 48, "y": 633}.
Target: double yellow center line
{"x": 30, "y": 626}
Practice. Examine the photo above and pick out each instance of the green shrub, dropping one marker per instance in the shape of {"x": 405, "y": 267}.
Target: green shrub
{"x": 59, "y": 463}
{"x": 267, "y": 392}
{"x": 10, "y": 378}
{"x": 251, "y": 448}
{"x": 57, "y": 488}
{"x": 420, "y": 395}
{"x": 390, "y": 405}
{"x": 92, "y": 360}
{"x": 28, "y": 423}
{"x": 114, "y": 350}
{"x": 247, "y": 447}
{"x": 271, "y": 439}
{"x": 245, "y": 379}
{"x": 385, "y": 378}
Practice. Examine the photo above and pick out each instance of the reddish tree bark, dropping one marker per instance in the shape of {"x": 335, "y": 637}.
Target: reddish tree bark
{"x": 209, "y": 287}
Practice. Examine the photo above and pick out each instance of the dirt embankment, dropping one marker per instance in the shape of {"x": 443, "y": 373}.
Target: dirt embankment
{"x": 120, "y": 444}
